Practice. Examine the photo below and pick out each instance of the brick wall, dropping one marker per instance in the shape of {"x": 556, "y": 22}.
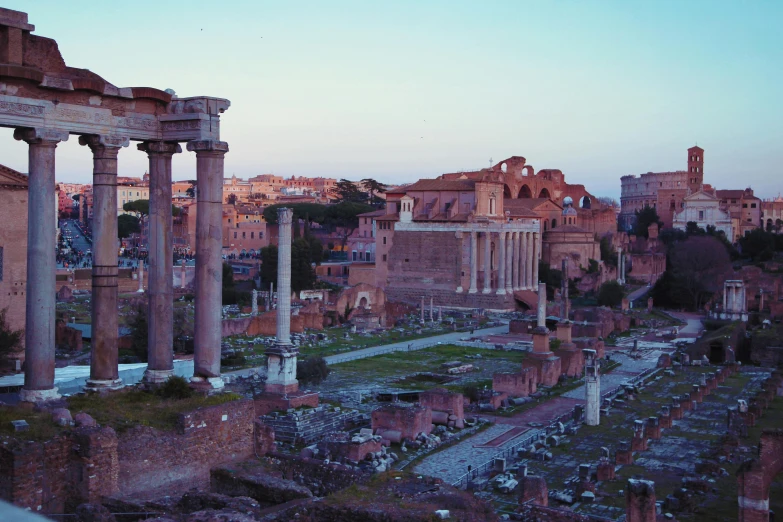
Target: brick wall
{"x": 13, "y": 259}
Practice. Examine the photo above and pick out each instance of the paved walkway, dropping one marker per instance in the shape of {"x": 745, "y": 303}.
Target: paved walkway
{"x": 418, "y": 344}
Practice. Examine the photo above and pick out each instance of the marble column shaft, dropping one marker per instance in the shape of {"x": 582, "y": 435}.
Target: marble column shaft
{"x": 509, "y": 263}
{"x": 41, "y": 264}
{"x": 473, "y": 262}
{"x": 209, "y": 261}
{"x": 105, "y": 328}
{"x": 515, "y": 265}
{"x": 487, "y": 262}
{"x": 541, "y": 319}
{"x": 535, "y": 256}
{"x": 501, "y": 263}
{"x": 284, "y": 220}
{"x": 160, "y": 288}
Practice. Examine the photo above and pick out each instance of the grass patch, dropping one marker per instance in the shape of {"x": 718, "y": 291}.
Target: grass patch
{"x": 41, "y": 425}
{"x": 126, "y": 409}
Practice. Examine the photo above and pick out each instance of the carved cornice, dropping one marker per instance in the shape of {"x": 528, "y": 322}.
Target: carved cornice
{"x": 159, "y": 147}
{"x": 40, "y": 135}
{"x": 95, "y": 141}
{"x": 207, "y": 146}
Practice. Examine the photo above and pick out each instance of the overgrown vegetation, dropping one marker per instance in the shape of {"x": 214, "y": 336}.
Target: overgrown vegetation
{"x": 610, "y": 294}
{"x": 10, "y": 339}
{"x": 312, "y": 370}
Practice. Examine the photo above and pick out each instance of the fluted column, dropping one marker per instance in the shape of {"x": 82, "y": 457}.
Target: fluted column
{"x": 515, "y": 265}
{"x": 487, "y": 262}
{"x": 529, "y": 261}
{"x": 41, "y": 264}
{"x": 473, "y": 262}
{"x": 536, "y": 255}
{"x": 509, "y": 263}
{"x": 160, "y": 288}
{"x": 501, "y": 263}
{"x": 105, "y": 329}
{"x": 209, "y": 262}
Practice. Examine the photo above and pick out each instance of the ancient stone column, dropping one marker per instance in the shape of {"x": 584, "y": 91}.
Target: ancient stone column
{"x": 640, "y": 501}
{"x": 182, "y": 273}
{"x": 725, "y": 296}
{"x": 421, "y": 319}
{"x": 271, "y": 296}
{"x": 209, "y": 262}
{"x": 529, "y": 252}
{"x": 41, "y": 264}
{"x": 564, "y": 304}
{"x": 509, "y": 263}
{"x": 160, "y": 288}
{"x": 487, "y": 262}
{"x": 620, "y": 265}
{"x": 515, "y": 262}
{"x": 541, "y": 322}
{"x": 254, "y": 303}
{"x": 140, "y": 270}
{"x": 281, "y": 357}
{"x": 440, "y": 314}
{"x": 105, "y": 328}
{"x": 473, "y": 262}
{"x": 592, "y": 388}
{"x": 501, "y": 263}
{"x": 432, "y": 310}
{"x": 536, "y": 255}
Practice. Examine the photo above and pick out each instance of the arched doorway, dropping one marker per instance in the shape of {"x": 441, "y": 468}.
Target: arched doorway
{"x": 363, "y": 302}
{"x": 525, "y": 192}
{"x": 544, "y": 194}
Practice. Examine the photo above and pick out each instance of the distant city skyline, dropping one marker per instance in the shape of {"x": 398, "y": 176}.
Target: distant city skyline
{"x": 411, "y": 90}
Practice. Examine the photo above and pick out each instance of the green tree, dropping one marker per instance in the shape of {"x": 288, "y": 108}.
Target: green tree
{"x": 348, "y": 191}
{"x": 191, "y": 190}
{"x": 693, "y": 229}
{"x": 373, "y": 188}
{"x": 610, "y": 294}
{"x": 139, "y": 327}
{"x": 127, "y": 224}
{"x": 312, "y": 370}
{"x": 139, "y": 206}
{"x": 231, "y": 199}
{"x": 302, "y": 272}
{"x": 644, "y": 218}
{"x": 608, "y": 252}
{"x": 10, "y": 340}
{"x": 269, "y": 265}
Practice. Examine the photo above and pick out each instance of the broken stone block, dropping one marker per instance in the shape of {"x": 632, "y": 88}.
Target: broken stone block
{"x": 20, "y": 425}
{"x": 83, "y": 420}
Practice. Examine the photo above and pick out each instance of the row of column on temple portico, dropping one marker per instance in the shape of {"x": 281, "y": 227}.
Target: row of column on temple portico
{"x": 510, "y": 256}
{"x": 41, "y": 265}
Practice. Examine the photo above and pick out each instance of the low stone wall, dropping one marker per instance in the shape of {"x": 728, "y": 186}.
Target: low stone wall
{"x": 86, "y": 464}
{"x": 266, "y": 324}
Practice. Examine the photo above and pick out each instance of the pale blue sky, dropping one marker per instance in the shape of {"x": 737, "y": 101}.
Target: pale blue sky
{"x": 408, "y": 89}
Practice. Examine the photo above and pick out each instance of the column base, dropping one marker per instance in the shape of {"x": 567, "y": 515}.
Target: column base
{"x": 473, "y": 290}
{"x": 157, "y": 376}
{"x": 486, "y": 291}
{"x": 207, "y": 384}
{"x": 459, "y": 290}
{"x": 38, "y": 395}
{"x": 103, "y": 384}
{"x": 501, "y": 291}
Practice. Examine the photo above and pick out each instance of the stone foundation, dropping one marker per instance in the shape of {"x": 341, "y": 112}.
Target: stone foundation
{"x": 546, "y": 366}
{"x": 308, "y": 425}
{"x": 522, "y": 384}
{"x": 440, "y": 400}
{"x": 399, "y": 422}
{"x": 533, "y": 489}
{"x": 266, "y": 403}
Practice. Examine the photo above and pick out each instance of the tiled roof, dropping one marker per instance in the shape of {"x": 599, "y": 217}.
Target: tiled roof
{"x": 442, "y": 184}
{"x": 10, "y": 177}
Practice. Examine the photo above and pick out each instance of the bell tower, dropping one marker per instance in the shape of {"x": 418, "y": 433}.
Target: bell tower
{"x": 695, "y": 168}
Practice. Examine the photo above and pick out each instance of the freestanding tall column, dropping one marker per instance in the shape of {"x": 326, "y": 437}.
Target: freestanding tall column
{"x": 254, "y": 303}
{"x": 182, "y": 273}
{"x": 105, "y": 329}
{"x": 209, "y": 262}
{"x": 281, "y": 358}
{"x": 592, "y": 388}
{"x": 541, "y": 316}
{"x": 160, "y": 288}
{"x": 501, "y": 263}
{"x": 41, "y": 264}
{"x": 510, "y": 263}
{"x": 473, "y": 262}
{"x": 529, "y": 282}
{"x": 487, "y": 263}
{"x": 620, "y": 265}
{"x": 140, "y": 270}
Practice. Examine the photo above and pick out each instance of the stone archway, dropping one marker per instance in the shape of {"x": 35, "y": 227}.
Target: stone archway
{"x": 507, "y": 192}
{"x": 363, "y": 302}
{"x": 754, "y": 477}
{"x": 585, "y": 202}
{"x": 525, "y": 192}
{"x": 544, "y": 194}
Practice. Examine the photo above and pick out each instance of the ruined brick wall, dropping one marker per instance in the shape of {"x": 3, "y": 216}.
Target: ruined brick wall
{"x": 13, "y": 256}
{"x": 204, "y": 438}
{"x": 414, "y": 263}
{"x": 408, "y": 421}
{"x": 754, "y": 477}
{"x": 647, "y": 268}
{"x": 443, "y": 400}
{"x": 57, "y": 475}
{"x": 266, "y": 324}
{"x": 321, "y": 479}
{"x": 520, "y": 384}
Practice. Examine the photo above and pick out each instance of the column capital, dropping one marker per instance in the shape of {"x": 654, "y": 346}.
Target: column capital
{"x": 207, "y": 146}
{"x": 104, "y": 141}
{"x": 159, "y": 147}
{"x": 39, "y": 136}
{"x": 285, "y": 216}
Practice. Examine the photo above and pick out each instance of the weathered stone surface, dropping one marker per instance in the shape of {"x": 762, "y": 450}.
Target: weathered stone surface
{"x": 256, "y": 484}
{"x": 83, "y": 420}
